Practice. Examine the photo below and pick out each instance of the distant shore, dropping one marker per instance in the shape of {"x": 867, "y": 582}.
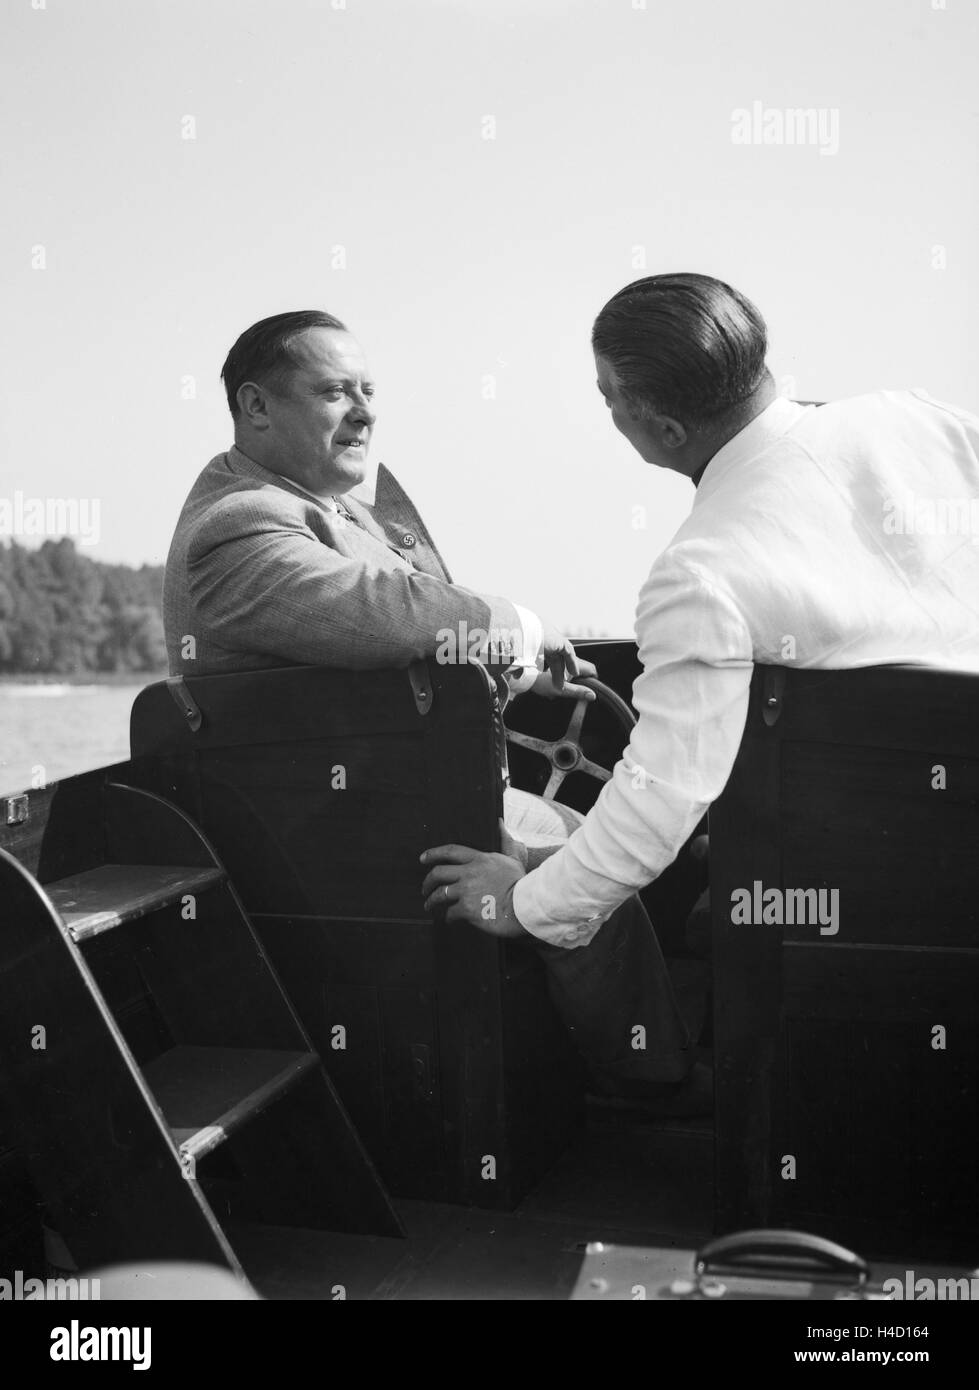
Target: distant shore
{"x": 82, "y": 678}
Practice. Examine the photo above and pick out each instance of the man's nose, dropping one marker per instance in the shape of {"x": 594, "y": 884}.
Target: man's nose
{"x": 362, "y": 411}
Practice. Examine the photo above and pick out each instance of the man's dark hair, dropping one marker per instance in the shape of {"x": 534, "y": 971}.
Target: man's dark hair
{"x": 682, "y": 345}
{"x": 264, "y": 352}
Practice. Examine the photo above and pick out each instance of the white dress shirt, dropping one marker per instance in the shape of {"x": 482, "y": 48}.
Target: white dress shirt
{"x": 836, "y": 537}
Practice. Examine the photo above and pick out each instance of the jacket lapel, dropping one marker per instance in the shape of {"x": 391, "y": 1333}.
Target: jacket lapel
{"x": 392, "y": 519}
{"x": 400, "y": 524}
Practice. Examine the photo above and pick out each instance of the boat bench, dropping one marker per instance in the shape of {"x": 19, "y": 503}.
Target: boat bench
{"x": 847, "y": 1047}
{"x": 319, "y": 789}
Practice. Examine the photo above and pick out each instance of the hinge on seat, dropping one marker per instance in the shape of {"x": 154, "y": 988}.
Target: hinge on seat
{"x": 773, "y": 694}
{"x": 185, "y": 702}
{"x": 421, "y": 686}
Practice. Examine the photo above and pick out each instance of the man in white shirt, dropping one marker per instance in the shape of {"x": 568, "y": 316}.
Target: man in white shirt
{"x": 836, "y": 537}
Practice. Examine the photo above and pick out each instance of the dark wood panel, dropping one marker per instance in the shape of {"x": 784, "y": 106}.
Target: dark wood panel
{"x": 298, "y": 702}
{"x": 744, "y": 846}
{"x": 21, "y": 1239}
{"x": 867, "y": 823}
{"x": 25, "y": 840}
{"x": 892, "y": 707}
{"x": 543, "y": 1077}
{"x": 376, "y": 982}
{"x": 411, "y": 1081}
{"x": 825, "y": 1042}
{"x": 300, "y": 1163}
{"x": 300, "y": 844}
{"x": 945, "y": 1176}
{"x": 64, "y": 832}
{"x": 924, "y": 984}
{"x": 354, "y": 1059}
{"x": 209, "y": 978}
{"x": 882, "y": 1127}
{"x": 332, "y": 877}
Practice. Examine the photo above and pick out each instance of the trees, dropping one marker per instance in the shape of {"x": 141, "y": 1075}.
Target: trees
{"x": 62, "y": 613}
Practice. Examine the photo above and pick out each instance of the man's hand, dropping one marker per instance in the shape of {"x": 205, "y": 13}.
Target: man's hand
{"x": 559, "y": 656}
{"x": 567, "y": 690}
{"x": 473, "y": 887}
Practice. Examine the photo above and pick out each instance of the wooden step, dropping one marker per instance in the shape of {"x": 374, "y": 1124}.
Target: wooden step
{"x": 103, "y": 898}
{"x": 206, "y": 1093}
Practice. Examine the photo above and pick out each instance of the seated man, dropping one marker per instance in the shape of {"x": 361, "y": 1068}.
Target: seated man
{"x": 273, "y": 562}
{"x": 829, "y": 538}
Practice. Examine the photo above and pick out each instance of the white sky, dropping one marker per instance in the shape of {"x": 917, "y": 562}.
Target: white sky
{"x": 361, "y": 127}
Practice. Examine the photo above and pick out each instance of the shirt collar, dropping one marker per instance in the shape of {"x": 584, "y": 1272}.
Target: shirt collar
{"x": 330, "y": 503}
{"x": 250, "y": 465}
{"x": 757, "y": 436}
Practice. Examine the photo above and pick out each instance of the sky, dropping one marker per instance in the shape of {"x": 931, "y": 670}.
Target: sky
{"x": 465, "y": 183}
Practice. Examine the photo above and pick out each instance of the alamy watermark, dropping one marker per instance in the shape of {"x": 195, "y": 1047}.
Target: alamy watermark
{"x": 786, "y": 907}
{"x": 913, "y": 515}
{"x": 463, "y": 643}
{"x": 78, "y": 1343}
{"x": 925, "y": 1289}
{"x": 818, "y": 126}
{"x": 51, "y": 516}
{"x": 28, "y": 1290}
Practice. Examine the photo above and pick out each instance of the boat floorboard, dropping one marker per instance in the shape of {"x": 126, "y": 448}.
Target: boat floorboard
{"x": 627, "y": 1182}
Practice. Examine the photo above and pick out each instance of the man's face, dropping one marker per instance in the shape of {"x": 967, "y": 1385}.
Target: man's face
{"x": 321, "y": 424}
{"x": 640, "y": 432}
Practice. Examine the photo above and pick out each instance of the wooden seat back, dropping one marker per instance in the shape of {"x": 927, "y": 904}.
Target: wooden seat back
{"x": 848, "y": 1051}
{"x": 319, "y": 790}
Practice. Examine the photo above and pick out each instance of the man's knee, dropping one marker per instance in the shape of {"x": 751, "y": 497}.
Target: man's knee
{"x": 536, "y": 821}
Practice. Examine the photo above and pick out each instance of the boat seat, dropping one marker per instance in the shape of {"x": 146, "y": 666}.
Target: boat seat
{"x": 319, "y": 789}
{"x": 847, "y": 1047}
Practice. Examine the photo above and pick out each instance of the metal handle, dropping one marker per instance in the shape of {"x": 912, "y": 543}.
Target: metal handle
{"x": 780, "y": 1252}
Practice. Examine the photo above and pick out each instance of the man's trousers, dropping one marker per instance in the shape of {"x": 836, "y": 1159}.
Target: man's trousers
{"x": 614, "y": 995}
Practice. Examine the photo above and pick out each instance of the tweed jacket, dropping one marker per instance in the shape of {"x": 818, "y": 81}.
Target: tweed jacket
{"x": 260, "y": 574}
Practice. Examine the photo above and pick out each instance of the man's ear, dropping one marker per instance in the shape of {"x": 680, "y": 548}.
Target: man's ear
{"x": 253, "y": 405}
{"x": 673, "y": 435}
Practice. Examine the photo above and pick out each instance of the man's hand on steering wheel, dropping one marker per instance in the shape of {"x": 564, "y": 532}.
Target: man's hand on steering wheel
{"x": 560, "y": 661}
{"x": 544, "y": 685}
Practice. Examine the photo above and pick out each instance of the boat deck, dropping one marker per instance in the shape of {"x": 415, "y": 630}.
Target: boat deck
{"x": 622, "y": 1181}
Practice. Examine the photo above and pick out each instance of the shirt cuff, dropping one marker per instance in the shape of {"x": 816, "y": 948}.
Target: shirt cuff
{"x": 533, "y": 634}
{"x": 521, "y": 678}
{"x": 524, "y": 671}
{"x": 570, "y": 935}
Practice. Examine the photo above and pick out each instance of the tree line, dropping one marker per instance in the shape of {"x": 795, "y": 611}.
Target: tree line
{"x": 62, "y": 613}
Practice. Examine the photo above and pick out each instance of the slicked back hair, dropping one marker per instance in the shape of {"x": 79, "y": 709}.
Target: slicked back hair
{"x": 683, "y": 345}
{"x": 264, "y": 353}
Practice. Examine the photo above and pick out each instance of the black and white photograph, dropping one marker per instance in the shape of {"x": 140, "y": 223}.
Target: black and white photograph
{"x": 489, "y": 670}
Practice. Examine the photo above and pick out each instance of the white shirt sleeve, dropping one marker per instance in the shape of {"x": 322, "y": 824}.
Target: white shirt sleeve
{"x": 692, "y": 700}
{"x": 533, "y": 632}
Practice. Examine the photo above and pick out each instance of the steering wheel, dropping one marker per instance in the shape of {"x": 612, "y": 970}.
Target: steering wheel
{"x": 565, "y": 754}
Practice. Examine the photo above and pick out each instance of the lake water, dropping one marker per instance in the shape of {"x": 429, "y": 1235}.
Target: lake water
{"x": 51, "y": 731}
